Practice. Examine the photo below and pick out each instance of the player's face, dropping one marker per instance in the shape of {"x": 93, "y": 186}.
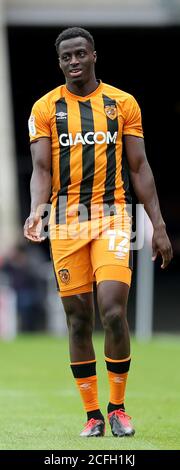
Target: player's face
{"x": 77, "y": 59}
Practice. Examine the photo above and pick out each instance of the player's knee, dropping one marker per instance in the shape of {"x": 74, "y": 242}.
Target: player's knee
{"x": 113, "y": 319}
{"x": 80, "y": 328}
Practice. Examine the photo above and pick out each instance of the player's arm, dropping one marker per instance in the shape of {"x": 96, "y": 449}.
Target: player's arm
{"x": 40, "y": 187}
{"x": 145, "y": 190}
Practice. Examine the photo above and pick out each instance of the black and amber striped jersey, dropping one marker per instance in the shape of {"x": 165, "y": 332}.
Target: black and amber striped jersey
{"x": 87, "y": 144}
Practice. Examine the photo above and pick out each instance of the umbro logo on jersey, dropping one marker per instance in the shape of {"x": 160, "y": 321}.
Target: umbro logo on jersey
{"x": 89, "y": 138}
{"x": 61, "y": 115}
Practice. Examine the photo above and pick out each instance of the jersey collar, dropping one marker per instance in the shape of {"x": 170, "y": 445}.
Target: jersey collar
{"x": 83, "y": 98}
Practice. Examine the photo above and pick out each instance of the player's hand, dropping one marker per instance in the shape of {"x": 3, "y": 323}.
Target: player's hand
{"x": 33, "y": 227}
{"x": 161, "y": 245}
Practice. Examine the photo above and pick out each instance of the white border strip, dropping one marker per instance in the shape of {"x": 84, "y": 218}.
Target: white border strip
{"x": 88, "y": 16}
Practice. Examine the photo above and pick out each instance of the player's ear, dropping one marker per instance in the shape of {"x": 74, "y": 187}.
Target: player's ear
{"x": 59, "y": 60}
{"x": 95, "y": 56}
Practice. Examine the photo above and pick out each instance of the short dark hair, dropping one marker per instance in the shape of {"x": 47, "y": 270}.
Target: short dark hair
{"x": 74, "y": 32}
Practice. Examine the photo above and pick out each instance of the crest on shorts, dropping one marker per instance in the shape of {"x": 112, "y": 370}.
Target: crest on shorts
{"x": 64, "y": 275}
{"x": 110, "y": 110}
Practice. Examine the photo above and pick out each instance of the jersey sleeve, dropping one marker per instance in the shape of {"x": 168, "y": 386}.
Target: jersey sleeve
{"x": 133, "y": 120}
{"x": 39, "y": 121}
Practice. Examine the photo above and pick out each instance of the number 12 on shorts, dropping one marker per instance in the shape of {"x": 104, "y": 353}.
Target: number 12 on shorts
{"x": 118, "y": 242}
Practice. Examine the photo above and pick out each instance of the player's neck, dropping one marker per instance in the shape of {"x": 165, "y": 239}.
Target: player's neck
{"x": 83, "y": 89}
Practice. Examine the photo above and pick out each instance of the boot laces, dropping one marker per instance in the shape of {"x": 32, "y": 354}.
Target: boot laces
{"x": 124, "y": 417}
{"x": 90, "y": 423}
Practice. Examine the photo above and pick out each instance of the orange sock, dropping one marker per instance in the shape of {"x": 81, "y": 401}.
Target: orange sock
{"x": 117, "y": 374}
{"x": 86, "y": 380}
{"x": 117, "y": 384}
{"x": 88, "y": 391}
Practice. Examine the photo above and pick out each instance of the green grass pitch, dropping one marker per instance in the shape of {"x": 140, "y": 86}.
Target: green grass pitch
{"x": 40, "y": 407}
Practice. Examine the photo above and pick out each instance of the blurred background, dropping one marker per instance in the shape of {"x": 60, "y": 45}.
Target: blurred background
{"x": 137, "y": 43}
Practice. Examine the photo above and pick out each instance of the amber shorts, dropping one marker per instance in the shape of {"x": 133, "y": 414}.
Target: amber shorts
{"x": 91, "y": 252}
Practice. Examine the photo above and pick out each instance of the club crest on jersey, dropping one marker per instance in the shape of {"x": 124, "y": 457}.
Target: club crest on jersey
{"x": 64, "y": 275}
{"x": 110, "y": 110}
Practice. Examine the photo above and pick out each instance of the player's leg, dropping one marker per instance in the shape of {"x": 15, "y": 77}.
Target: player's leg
{"x": 111, "y": 261}
{"x": 112, "y": 297}
{"x": 80, "y": 320}
{"x": 74, "y": 277}
{"x": 112, "y": 301}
